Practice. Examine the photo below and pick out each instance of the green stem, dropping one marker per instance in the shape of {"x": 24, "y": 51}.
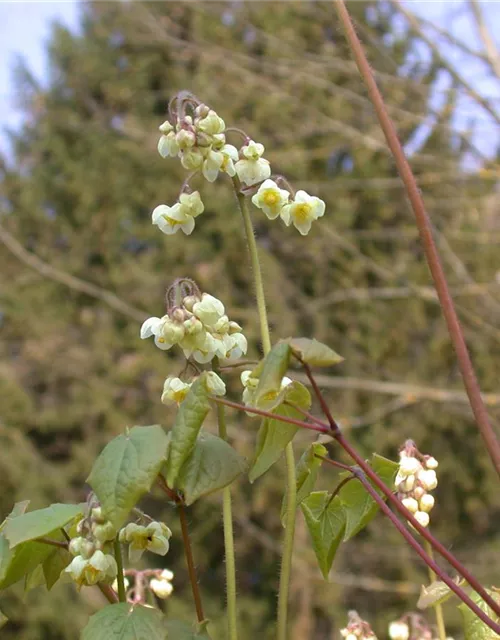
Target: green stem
{"x": 227, "y": 518}
{"x": 438, "y": 609}
{"x": 291, "y": 487}
{"x": 119, "y": 578}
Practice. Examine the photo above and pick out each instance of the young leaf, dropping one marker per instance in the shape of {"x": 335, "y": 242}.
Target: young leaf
{"x": 36, "y": 524}
{"x": 212, "y": 465}
{"x": 474, "y": 628}
{"x": 17, "y": 563}
{"x": 325, "y": 520}
{"x": 274, "y": 368}
{"x": 359, "y": 506}
{"x": 313, "y": 352}
{"x": 178, "y": 630}
{"x": 306, "y": 472}
{"x": 126, "y": 469}
{"x": 126, "y": 622}
{"x": 274, "y": 435}
{"x": 436, "y": 593}
{"x": 187, "y": 425}
{"x": 54, "y": 565}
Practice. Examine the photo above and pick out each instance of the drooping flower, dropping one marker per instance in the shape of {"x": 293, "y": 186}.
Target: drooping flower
{"x": 212, "y": 165}
{"x": 154, "y": 537}
{"x": 211, "y": 124}
{"x": 171, "y": 219}
{"x": 166, "y": 331}
{"x": 209, "y": 310}
{"x": 303, "y": 211}
{"x": 270, "y": 198}
{"x": 230, "y": 156}
{"x": 167, "y": 145}
{"x": 215, "y": 384}
{"x": 174, "y": 390}
{"x": 100, "y": 567}
{"x": 191, "y": 204}
{"x": 162, "y": 586}
{"x": 252, "y": 168}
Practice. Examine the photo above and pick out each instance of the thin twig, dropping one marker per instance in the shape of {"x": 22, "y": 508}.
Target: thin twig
{"x": 53, "y": 543}
{"x": 190, "y": 563}
{"x": 110, "y": 595}
{"x": 425, "y": 229}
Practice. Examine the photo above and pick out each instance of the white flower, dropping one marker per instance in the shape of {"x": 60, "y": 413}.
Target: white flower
{"x": 235, "y": 346}
{"x": 191, "y": 204}
{"x": 153, "y": 538}
{"x": 427, "y": 478}
{"x": 252, "y": 171}
{"x": 166, "y": 331}
{"x": 409, "y": 483}
{"x": 203, "y": 347}
{"x": 126, "y": 583}
{"x": 185, "y": 139}
{"x": 161, "y": 588}
{"x": 230, "y": 156}
{"x": 270, "y": 198}
{"x": 166, "y": 127}
{"x": 426, "y": 502}
{"x": 214, "y": 384}
{"x": 212, "y": 165}
{"x": 253, "y": 150}
{"x": 167, "y": 145}
{"x": 303, "y": 211}
{"x": 209, "y": 310}
{"x": 422, "y": 518}
{"x": 409, "y": 465}
{"x": 192, "y": 159}
{"x": 211, "y": 123}
{"x": 399, "y": 631}
{"x": 174, "y": 390}
{"x": 431, "y": 463}
{"x": 81, "y": 547}
{"x": 171, "y": 219}
{"x": 411, "y": 504}
{"x": 98, "y": 568}
{"x": 166, "y": 574}
{"x": 418, "y": 492}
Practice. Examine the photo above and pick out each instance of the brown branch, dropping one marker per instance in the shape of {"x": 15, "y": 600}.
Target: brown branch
{"x": 190, "y": 563}
{"x": 425, "y": 229}
{"x": 110, "y": 595}
{"x": 50, "y": 272}
{"x": 53, "y": 543}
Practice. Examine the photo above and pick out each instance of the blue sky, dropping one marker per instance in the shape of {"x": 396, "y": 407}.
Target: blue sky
{"x": 25, "y": 28}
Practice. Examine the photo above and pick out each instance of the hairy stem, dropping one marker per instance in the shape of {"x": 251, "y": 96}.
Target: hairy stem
{"x": 425, "y": 230}
{"x": 119, "y": 578}
{"x": 190, "y": 563}
{"x": 291, "y": 487}
{"x": 438, "y": 608}
{"x": 227, "y": 518}
{"x": 360, "y": 475}
{"x": 359, "y": 460}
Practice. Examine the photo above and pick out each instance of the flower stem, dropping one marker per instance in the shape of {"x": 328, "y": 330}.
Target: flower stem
{"x": 227, "y": 518}
{"x": 291, "y": 487}
{"x": 119, "y": 578}
{"x": 190, "y": 563}
{"x": 438, "y": 609}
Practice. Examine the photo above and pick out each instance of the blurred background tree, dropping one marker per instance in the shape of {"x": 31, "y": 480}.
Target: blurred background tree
{"x": 82, "y": 267}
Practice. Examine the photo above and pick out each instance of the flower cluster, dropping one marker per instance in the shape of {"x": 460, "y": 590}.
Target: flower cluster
{"x": 175, "y": 390}
{"x": 250, "y": 383}
{"x": 162, "y": 585}
{"x": 411, "y": 627}
{"x": 357, "y": 628}
{"x": 181, "y": 216}
{"x": 301, "y": 211}
{"x": 416, "y": 477}
{"x": 201, "y": 328}
{"x": 154, "y": 537}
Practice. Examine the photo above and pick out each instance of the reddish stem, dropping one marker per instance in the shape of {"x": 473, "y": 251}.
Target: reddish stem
{"x": 420, "y": 550}
{"x": 425, "y": 230}
{"x": 190, "y": 563}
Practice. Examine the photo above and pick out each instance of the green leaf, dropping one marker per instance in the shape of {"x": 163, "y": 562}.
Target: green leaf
{"x": 54, "y": 565}
{"x": 474, "y": 628}
{"x": 313, "y": 352}
{"x": 18, "y": 562}
{"x": 187, "y": 425}
{"x": 360, "y": 507}
{"x": 274, "y": 367}
{"x": 34, "y": 579}
{"x": 18, "y": 509}
{"x": 178, "y": 630}
{"x": 126, "y": 469}
{"x": 212, "y": 465}
{"x": 126, "y": 622}
{"x": 436, "y": 593}
{"x": 306, "y": 472}
{"x": 3, "y": 619}
{"x": 274, "y": 435}
{"x": 325, "y": 520}
{"x": 36, "y": 524}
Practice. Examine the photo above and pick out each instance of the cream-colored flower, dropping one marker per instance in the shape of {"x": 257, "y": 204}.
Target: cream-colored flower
{"x": 166, "y": 331}
{"x": 209, "y": 310}
{"x": 252, "y": 168}
{"x": 185, "y": 139}
{"x": 235, "y": 346}
{"x": 99, "y": 567}
{"x": 167, "y": 145}
{"x": 212, "y": 165}
{"x": 399, "y": 631}
{"x": 174, "y": 390}
{"x": 215, "y": 384}
{"x": 230, "y": 156}
{"x": 211, "y": 124}
{"x": 155, "y": 538}
{"x": 426, "y": 502}
{"x": 161, "y": 588}
{"x": 422, "y": 518}
{"x": 166, "y": 127}
{"x": 270, "y": 198}
{"x": 192, "y": 159}
{"x": 171, "y": 219}
{"x": 303, "y": 211}
{"x": 191, "y": 204}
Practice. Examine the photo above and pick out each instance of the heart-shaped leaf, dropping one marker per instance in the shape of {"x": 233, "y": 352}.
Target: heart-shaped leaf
{"x": 126, "y": 469}
{"x": 325, "y": 520}
{"x": 274, "y": 367}
{"x": 36, "y": 524}
{"x": 126, "y": 622}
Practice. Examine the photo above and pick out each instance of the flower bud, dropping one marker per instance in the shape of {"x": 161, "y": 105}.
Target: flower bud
{"x": 104, "y": 532}
{"x": 97, "y": 516}
{"x": 427, "y": 478}
{"x": 161, "y": 588}
{"x": 431, "y": 463}
{"x": 409, "y": 466}
{"x": 426, "y": 502}
{"x": 81, "y": 547}
{"x": 185, "y": 139}
{"x": 411, "y": 504}
{"x": 214, "y": 384}
{"x": 409, "y": 483}
{"x": 166, "y": 127}
{"x": 399, "y": 631}
{"x": 418, "y": 492}
{"x": 422, "y": 518}
{"x": 191, "y": 159}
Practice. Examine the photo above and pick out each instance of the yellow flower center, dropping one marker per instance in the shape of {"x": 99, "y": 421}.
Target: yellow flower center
{"x": 270, "y": 198}
{"x": 171, "y": 221}
{"x": 302, "y": 212}
{"x": 162, "y": 340}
